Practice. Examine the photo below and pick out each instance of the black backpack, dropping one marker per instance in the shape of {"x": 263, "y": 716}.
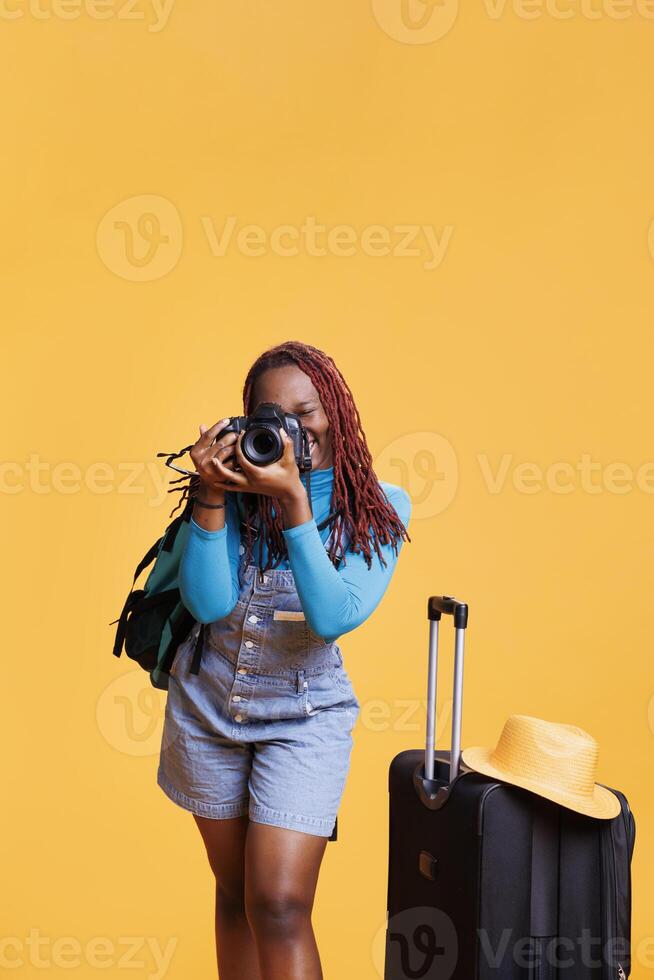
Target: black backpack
{"x": 154, "y": 620}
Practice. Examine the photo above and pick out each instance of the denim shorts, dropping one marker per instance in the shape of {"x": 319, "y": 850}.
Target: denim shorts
{"x": 265, "y": 728}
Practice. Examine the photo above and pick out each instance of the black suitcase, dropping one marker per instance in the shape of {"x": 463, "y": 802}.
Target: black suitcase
{"x": 487, "y": 881}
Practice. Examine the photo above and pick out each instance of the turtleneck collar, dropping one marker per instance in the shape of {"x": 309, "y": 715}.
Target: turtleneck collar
{"x": 322, "y": 482}
{"x": 320, "y": 479}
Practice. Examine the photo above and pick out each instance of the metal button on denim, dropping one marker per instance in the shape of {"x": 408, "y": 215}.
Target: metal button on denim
{"x": 284, "y": 763}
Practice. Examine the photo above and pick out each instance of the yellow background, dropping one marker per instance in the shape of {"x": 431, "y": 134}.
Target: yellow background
{"x": 530, "y": 139}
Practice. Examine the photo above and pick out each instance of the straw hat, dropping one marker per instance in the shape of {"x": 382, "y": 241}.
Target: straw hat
{"x": 558, "y": 762}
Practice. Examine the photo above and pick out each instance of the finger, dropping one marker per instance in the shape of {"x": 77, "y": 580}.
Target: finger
{"x": 226, "y": 474}
{"x": 220, "y": 485}
{"x": 289, "y": 447}
{"x": 223, "y": 446}
{"x": 210, "y": 434}
{"x": 205, "y": 461}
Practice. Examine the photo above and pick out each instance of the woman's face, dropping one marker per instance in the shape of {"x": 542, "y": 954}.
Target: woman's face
{"x": 294, "y": 391}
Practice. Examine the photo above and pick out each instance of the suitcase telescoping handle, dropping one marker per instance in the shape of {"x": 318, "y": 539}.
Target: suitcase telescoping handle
{"x": 437, "y": 606}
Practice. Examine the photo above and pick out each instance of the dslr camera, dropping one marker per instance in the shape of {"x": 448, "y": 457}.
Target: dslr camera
{"x": 262, "y": 442}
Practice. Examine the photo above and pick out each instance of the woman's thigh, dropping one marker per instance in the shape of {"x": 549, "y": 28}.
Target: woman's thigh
{"x": 269, "y": 867}
{"x": 224, "y": 841}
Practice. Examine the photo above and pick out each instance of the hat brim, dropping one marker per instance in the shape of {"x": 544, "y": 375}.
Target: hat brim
{"x": 603, "y": 804}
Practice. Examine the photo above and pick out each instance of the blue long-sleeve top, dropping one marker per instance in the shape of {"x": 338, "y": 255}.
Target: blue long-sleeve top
{"x": 334, "y": 600}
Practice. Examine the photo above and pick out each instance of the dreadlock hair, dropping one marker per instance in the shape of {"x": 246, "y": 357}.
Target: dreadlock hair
{"x": 364, "y": 515}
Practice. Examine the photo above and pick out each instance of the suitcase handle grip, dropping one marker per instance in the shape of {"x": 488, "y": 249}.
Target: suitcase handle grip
{"x": 447, "y": 605}
{"x": 436, "y": 607}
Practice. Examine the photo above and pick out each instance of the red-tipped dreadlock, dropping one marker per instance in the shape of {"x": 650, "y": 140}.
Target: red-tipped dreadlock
{"x": 364, "y": 513}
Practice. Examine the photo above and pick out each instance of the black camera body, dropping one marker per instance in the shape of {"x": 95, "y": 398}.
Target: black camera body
{"x": 262, "y": 442}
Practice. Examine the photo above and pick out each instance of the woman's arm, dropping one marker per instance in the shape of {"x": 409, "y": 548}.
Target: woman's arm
{"x": 208, "y": 571}
{"x": 336, "y": 601}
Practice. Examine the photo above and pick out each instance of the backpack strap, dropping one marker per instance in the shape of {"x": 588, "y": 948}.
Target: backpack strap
{"x": 179, "y": 634}
{"x": 170, "y": 534}
{"x": 121, "y": 629}
{"x": 147, "y": 559}
{"x": 197, "y": 653}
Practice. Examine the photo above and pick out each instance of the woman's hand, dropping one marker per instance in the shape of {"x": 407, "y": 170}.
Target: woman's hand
{"x": 203, "y": 453}
{"x": 280, "y": 479}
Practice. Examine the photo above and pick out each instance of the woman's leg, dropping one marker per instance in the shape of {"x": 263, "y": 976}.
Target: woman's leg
{"x": 236, "y": 950}
{"x": 280, "y": 881}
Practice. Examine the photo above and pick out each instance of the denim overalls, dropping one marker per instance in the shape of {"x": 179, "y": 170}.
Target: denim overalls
{"x": 265, "y": 727}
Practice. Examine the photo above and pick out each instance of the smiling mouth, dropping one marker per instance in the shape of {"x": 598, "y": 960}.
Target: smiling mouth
{"x": 312, "y": 445}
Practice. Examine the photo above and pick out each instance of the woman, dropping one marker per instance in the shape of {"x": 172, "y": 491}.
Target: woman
{"x": 257, "y": 745}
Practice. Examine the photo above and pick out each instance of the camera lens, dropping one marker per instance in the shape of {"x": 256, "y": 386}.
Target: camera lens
{"x": 262, "y": 445}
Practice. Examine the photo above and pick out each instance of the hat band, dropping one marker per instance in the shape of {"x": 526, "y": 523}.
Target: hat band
{"x": 575, "y": 778}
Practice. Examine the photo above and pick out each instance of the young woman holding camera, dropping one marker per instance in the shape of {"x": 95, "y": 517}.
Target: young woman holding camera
{"x": 257, "y": 746}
